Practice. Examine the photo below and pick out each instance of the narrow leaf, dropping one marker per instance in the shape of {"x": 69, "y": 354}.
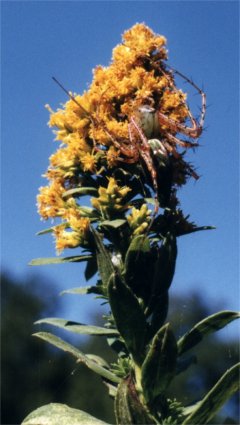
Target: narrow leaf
{"x": 112, "y": 390}
{"x": 59, "y": 260}
{"x": 159, "y": 313}
{"x": 159, "y": 365}
{"x": 195, "y": 229}
{"x": 78, "y": 328}
{"x": 165, "y": 266}
{"x": 91, "y": 268}
{"x": 128, "y": 408}
{"x": 81, "y": 191}
{"x": 129, "y": 318}
{"x": 99, "y": 360}
{"x": 139, "y": 244}
{"x": 57, "y": 413}
{"x": 113, "y": 223}
{"x": 227, "y": 385}
{"x": 105, "y": 265}
{"x": 139, "y": 266}
{"x": 207, "y": 326}
{"x": 88, "y": 212}
{"x": 164, "y": 271}
{"x": 49, "y": 230}
{"x": 83, "y": 290}
{"x": 81, "y": 357}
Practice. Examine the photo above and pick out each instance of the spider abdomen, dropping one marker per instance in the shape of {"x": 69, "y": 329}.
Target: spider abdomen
{"x": 148, "y": 121}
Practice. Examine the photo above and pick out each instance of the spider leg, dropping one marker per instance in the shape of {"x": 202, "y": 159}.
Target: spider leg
{"x": 72, "y": 97}
{"x": 182, "y": 143}
{"x": 194, "y": 131}
{"x": 177, "y": 155}
{"x": 197, "y": 128}
{"x": 172, "y": 150}
{"x": 144, "y": 147}
{"x": 201, "y": 92}
{"x": 128, "y": 160}
{"x": 145, "y": 152}
{"x": 130, "y": 151}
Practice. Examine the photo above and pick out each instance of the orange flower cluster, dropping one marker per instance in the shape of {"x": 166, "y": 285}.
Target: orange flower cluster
{"x": 93, "y": 127}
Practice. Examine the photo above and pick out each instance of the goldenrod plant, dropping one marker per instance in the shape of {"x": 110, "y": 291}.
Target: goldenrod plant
{"x": 112, "y": 191}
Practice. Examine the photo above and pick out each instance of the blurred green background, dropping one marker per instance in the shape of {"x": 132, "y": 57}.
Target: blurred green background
{"x": 33, "y": 373}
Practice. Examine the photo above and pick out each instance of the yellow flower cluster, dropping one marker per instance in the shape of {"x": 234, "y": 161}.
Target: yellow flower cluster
{"x": 50, "y": 200}
{"x": 139, "y": 219}
{"x": 52, "y": 204}
{"x": 94, "y": 127}
{"x": 76, "y": 237}
{"x": 110, "y": 199}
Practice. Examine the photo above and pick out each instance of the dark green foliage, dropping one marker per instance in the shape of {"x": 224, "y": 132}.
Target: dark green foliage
{"x": 34, "y": 374}
{"x": 164, "y": 269}
{"x": 207, "y": 326}
{"x": 78, "y": 328}
{"x": 105, "y": 265}
{"x": 59, "y": 260}
{"x": 128, "y": 408}
{"x": 80, "y": 356}
{"x": 159, "y": 365}
{"x": 210, "y": 358}
{"x": 205, "y": 409}
{"x": 159, "y": 314}
{"x": 129, "y": 318}
{"x": 138, "y": 266}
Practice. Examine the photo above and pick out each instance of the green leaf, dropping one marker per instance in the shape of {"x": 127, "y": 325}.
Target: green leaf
{"x": 163, "y": 273}
{"x": 128, "y": 315}
{"x": 81, "y": 357}
{"x": 112, "y": 390}
{"x": 164, "y": 270}
{"x": 138, "y": 246}
{"x": 88, "y": 212}
{"x": 128, "y": 408}
{"x": 78, "y": 328}
{"x": 105, "y": 265}
{"x": 45, "y": 231}
{"x": 115, "y": 224}
{"x": 57, "y": 413}
{"x": 194, "y": 229}
{"x": 83, "y": 290}
{"x": 59, "y": 260}
{"x": 204, "y": 410}
{"x": 159, "y": 365}
{"x": 49, "y": 230}
{"x": 150, "y": 201}
{"x": 81, "y": 191}
{"x": 207, "y": 326}
{"x": 91, "y": 268}
{"x": 99, "y": 360}
{"x": 165, "y": 266}
{"x": 159, "y": 313}
{"x": 138, "y": 266}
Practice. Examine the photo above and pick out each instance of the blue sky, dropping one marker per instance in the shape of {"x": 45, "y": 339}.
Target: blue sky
{"x": 67, "y": 40}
